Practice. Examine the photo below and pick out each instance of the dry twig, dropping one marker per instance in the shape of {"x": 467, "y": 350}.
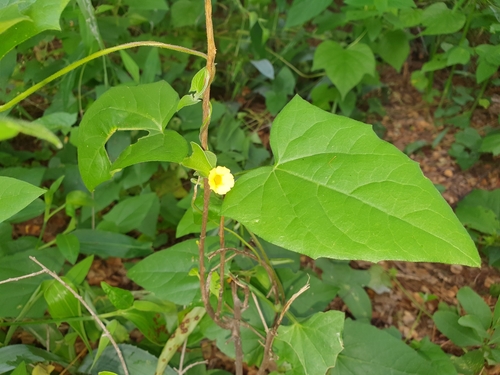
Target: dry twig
{"x": 94, "y": 315}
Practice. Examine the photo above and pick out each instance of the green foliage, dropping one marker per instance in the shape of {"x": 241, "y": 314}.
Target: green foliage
{"x": 119, "y": 185}
{"x": 476, "y": 327}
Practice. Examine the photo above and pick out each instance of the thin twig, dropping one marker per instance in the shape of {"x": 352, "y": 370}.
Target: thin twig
{"x": 191, "y": 366}
{"x": 261, "y": 262}
{"x": 94, "y": 315}
{"x": 22, "y": 277}
{"x": 183, "y": 354}
{"x": 256, "y": 301}
{"x": 271, "y": 334}
{"x": 74, "y": 361}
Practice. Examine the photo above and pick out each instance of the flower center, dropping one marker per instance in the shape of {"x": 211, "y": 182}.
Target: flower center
{"x": 218, "y": 179}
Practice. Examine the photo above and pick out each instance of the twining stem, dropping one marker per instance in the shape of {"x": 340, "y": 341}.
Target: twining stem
{"x": 85, "y": 60}
{"x": 211, "y": 51}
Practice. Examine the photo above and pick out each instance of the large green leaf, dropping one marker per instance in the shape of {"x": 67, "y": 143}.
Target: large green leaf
{"x": 146, "y": 107}
{"x": 336, "y": 190}
{"x": 15, "y": 195}
{"x": 368, "y": 350}
{"x": 311, "y": 347}
{"x": 39, "y": 16}
{"x": 439, "y": 19}
{"x": 344, "y": 67}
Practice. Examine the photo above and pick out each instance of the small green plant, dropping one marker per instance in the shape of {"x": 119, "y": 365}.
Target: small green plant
{"x": 479, "y": 212}
{"x": 473, "y": 327}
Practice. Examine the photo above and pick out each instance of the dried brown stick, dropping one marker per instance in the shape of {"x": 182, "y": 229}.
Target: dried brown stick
{"x": 12, "y": 279}
{"x": 271, "y": 334}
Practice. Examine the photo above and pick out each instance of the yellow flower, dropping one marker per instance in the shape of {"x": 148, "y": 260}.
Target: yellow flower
{"x": 220, "y": 180}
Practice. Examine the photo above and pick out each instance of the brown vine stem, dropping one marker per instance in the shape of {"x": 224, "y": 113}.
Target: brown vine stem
{"x": 94, "y": 315}
{"x": 211, "y": 51}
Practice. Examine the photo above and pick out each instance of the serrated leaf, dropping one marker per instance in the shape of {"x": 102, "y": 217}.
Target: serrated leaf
{"x": 16, "y": 195}
{"x": 146, "y": 107}
{"x": 344, "y": 67}
{"x": 311, "y": 347}
{"x": 336, "y": 190}
{"x": 42, "y": 15}
{"x": 439, "y": 19}
{"x": 301, "y": 11}
{"x": 10, "y": 127}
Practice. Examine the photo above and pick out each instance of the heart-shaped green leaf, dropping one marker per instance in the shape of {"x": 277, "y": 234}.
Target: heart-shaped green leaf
{"x": 394, "y": 48}
{"x": 338, "y": 191}
{"x": 311, "y": 347}
{"x": 344, "y": 67}
{"x": 146, "y": 107}
{"x": 439, "y": 19}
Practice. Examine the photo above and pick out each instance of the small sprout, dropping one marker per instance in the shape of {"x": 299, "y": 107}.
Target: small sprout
{"x": 220, "y": 180}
